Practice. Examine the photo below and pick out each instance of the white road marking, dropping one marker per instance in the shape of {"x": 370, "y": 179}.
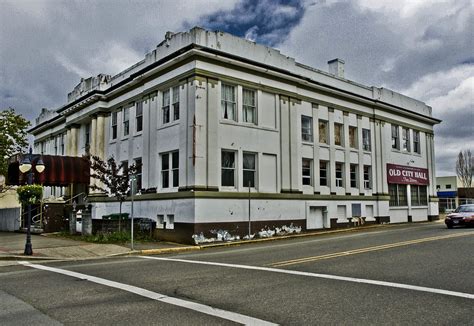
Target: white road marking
{"x": 325, "y": 276}
{"x": 236, "y": 317}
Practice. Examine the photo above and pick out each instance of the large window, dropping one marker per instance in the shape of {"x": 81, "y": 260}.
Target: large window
{"x": 249, "y": 169}
{"x": 353, "y": 174}
{"x": 398, "y": 195}
{"x": 249, "y": 105}
{"x": 419, "y": 195}
{"x": 416, "y": 142}
{"x": 307, "y": 175}
{"x": 366, "y": 143}
{"x": 228, "y": 169}
{"x": 170, "y": 176}
{"x": 228, "y": 102}
{"x": 406, "y": 139}
{"x": 339, "y": 134}
{"x": 306, "y": 128}
{"x": 353, "y": 137}
{"x": 126, "y": 121}
{"x": 367, "y": 177}
{"x": 339, "y": 174}
{"x": 323, "y": 132}
{"x": 138, "y": 163}
{"x": 139, "y": 116}
{"x": 165, "y": 107}
{"x": 87, "y": 136}
{"x": 175, "y": 103}
{"x": 114, "y": 125}
{"x": 395, "y": 137}
{"x": 323, "y": 173}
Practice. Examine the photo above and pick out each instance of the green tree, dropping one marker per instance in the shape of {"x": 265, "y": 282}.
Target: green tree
{"x": 113, "y": 178}
{"x": 13, "y": 136}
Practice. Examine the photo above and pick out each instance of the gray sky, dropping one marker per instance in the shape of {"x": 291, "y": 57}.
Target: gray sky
{"x": 423, "y": 49}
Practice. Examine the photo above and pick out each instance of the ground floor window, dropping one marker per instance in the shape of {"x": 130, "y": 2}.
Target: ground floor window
{"x": 249, "y": 165}
{"x": 419, "y": 195}
{"x": 398, "y": 195}
{"x": 228, "y": 169}
{"x": 306, "y": 166}
{"x": 339, "y": 175}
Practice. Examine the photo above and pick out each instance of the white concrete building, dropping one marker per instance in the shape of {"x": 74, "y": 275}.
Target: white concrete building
{"x": 207, "y": 114}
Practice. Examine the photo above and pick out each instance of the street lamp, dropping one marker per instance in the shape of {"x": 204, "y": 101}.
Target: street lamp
{"x": 26, "y": 167}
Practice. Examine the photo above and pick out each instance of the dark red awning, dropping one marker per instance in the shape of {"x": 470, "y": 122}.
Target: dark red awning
{"x": 59, "y": 171}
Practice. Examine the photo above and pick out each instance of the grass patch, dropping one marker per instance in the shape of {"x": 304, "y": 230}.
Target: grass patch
{"x": 109, "y": 238}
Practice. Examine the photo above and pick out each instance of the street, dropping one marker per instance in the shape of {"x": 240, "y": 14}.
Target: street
{"x": 418, "y": 274}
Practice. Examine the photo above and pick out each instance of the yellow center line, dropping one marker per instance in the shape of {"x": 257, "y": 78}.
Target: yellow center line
{"x": 364, "y": 250}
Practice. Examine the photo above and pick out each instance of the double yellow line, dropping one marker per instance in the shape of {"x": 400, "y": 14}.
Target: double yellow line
{"x": 368, "y": 249}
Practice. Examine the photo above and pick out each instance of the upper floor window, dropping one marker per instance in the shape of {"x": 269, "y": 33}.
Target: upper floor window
{"x": 366, "y": 142}
{"x": 339, "y": 134}
{"x": 249, "y": 169}
{"x": 406, "y": 139}
{"x": 87, "y": 135}
{"x": 228, "y": 169}
{"x": 416, "y": 142}
{"x": 139, "y": 116}
{"x": 323, "y": 173}
{"x": 339, "y": 174}
{"x": 56, "y": 141}
{"x": 165, "y": 169}
{"x": 367, "y": 177}
{"x": 165, "y": 108}
{"x": 138, "y": 164}
{"x": 176, "y": 103}
{"x": 249, "y": 106}
{"x": 395, "y": 137}
{"x": 353, "y": 137}
{"x": 228, "y": 102}
{"x": 323, "y": 132}
{"x": 126, "y": 121}
{"x": 306, "y": 169}
{"x": 353, "y": 174}
{"x": 306, "y": 128}
{"x": 61, "y": 143}
{"x": 114, "y": 125}
{"x": 170, "y": 169}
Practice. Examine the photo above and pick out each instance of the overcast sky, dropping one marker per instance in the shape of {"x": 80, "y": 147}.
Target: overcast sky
{"x": 423, "y": 49}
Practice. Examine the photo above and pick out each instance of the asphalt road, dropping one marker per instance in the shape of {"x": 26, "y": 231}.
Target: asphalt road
{"x": 420, "y": 274}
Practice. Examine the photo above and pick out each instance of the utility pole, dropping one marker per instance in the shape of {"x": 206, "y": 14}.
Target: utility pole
{"x": 249, "y": 212}
{"x": 133, "y": 178}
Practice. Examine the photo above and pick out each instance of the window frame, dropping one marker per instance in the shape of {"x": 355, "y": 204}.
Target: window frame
{"x": 249, "y": 170}
{"x": 175, "y": 168}
{"x": 114, "y": 124}
{"x": 246, "y": 107}
{"x": 325, "y": 133}
{"x": 395, "y": 190}
{"x": 366, "y": 140}
{"x": 367, "y": 177}
{"x": 325, "y": 164}
{"x": 165, "y": 106}
{"x": 353, "y": 173}
{"x": 175, "y": 102}
{"x": 353, "y": 141}
{"x": 139, "y": 164}
{"x": 308, "y": 177}
{"x": 139, "y": 116}
{"x": 307, "y": 134}
{"x": 225, "y": 102}
{"x": 406, "y": 139}
{"x": 339, "y": 126}
{"x": 165, "y": 173}
{"x": 340, "y": 171}
{"x": 395, "y": 132}
{"x": 416, "y": 142}
{"x": 232, "y": 168}
{"x": 126, "y": 121}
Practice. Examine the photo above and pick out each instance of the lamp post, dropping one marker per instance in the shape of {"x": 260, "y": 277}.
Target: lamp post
{"x": 133, "y": 181}
{"x": 26, "y": 167}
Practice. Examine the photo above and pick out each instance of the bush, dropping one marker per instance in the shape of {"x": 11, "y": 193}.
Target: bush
{"x": 30, "y": 194}
{"x": 116, "y": 216}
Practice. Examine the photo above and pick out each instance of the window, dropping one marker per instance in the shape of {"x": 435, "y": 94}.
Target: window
{"x": 160, "y": 221}
{"x": 175, "y": 168}
{"x": 43, "y": 147}
{"x": 165, "y": 108}
{"x": 175, "y": 103}
{"x": 170, "y": 176}
{"x": 338, "y": 134}
{"x": 138, "y": 163}
{"x": 366, "y": 142}
{"x": 448, "y": 186}
{"x": 249, "y": 169}
{"x": 323, "y": 173}
{"x": 228, "y": 102}
{"x": 249, "y": 106}
{"x": 126, "y": 122}
{"x": 114, "y": 125}
{"x": 165, "y": 170}
{"x": 228, "y": 169}
{"x": 307, "y": 177}
{"x": 398, "y": 195}
{"x": 406, "y": 139}
{"x": 419, "y": 195}
{"x": 353, "y": 137}
{"x": 139, "y": 116}
{"x": 353, "y": 174}
{"x": 339, "y": 175}
{"x": 416, "y": 142}
{"x": 395, "y": 137}
{"x": 61, "y": 143}
{"x": 306, "y": 128}
{"x": 87, "y": 136}
{"x": 124, "y": 166}
{"x": 169, "y": 223}
{"x": 56, "y": 141}
{"x": 323, "y": 132}
{"x": 367, "y": 177}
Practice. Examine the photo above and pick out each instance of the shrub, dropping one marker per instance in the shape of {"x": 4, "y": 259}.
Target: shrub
{"x": 116, "y": 216}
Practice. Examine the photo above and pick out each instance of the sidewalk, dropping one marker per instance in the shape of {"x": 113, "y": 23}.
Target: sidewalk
{"x": 47, "y": 247}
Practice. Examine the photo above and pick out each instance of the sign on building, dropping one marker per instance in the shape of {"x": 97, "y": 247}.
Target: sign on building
{"x": 408, "y": 175}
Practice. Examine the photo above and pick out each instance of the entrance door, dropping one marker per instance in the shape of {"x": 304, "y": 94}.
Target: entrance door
{"x": 315, "y": 218}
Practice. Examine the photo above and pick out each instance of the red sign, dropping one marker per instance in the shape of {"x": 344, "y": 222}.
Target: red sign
{"x": 408, "y": 175}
